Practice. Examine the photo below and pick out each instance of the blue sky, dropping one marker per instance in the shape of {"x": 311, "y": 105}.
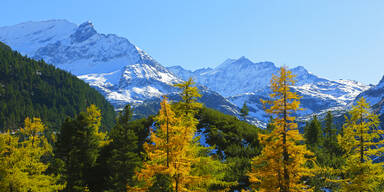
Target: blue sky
{"x": 341, "y": 39}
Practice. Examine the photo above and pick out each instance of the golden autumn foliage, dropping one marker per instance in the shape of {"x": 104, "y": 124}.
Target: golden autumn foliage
{"x": 94, "y": 118}
{"x": 170, "y": 151}
{"x": 189, "y": 105}
{"x": 281, "y": 165}
{"x": 174, "y": 152}
{"x": 21, "y": 168}
{"x": 360, "y": 140}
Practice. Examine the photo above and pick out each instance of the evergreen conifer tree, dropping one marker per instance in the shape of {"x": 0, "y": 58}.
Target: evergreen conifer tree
{"x": 312, "y": 133}
{"x": 244, "y": 111}
{"x": 78, "y": 147}
{"x": 124, "y": 157}
{"x": 281, "y": 165}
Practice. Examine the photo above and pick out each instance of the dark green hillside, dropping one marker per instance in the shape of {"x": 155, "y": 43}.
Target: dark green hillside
{"x": 30, "y": 88}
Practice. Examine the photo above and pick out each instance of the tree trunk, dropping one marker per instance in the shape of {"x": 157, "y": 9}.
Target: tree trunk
{"x": 166, "y": 115}
{"x": 285, "y": 150}
{"x": 361, "y": 140}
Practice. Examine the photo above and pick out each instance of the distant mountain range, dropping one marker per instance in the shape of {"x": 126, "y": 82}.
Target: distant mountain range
{"x": 126, "y": 74}
{"x": 241, "y": 81}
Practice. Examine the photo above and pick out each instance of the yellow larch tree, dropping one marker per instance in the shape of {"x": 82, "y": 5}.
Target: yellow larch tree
{"x": 170, "y": 151}
{"x": 188, "y": 104}
{"x": 207, "y": 173}
{"x": 21, "y": 166}
{"x": 281, "y": 164}
{"x": 94, "y": 118}
{"x": 361, "y": 141}
{"x": 174, "y": 152}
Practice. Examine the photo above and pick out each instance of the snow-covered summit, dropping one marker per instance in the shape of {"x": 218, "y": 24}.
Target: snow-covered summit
{"x": 116, "y": 67}
{"x": 238, "y": 76}
{"x": 84, "y": 32}
{"x": 241, "y": 80}
{"x": 121, "y": 71}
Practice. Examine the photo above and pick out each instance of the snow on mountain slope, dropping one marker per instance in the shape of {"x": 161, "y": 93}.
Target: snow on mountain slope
{"x": 118, "y": 69}
{"x": 29, "y": 36}
{"x": 241, "y": 80}
{"x": 240, "y": 76}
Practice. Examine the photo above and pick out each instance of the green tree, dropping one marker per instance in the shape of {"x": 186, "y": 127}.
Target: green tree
{"x": 36, "y": 89}
{"x": 78, "y": 146}
{"x": 331, "y": 148}
{"x": 236, "y": 143}
{"x": 312, "y": 133}
{"x": 124, "y": 157}
{"x": 325, "y": 147}
{"x": 244, "y": 111}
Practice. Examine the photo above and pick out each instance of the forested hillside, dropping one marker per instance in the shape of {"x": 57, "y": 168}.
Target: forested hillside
{"x": 189, "y": 147}
{"x": 30, "y": 88}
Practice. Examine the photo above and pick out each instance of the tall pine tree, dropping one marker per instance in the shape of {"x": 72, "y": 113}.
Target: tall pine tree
{"x": 174, "y": 156}
{"x": 313, "y": 133}
{"x": 244, "y": 111}
{"x": 78, "y": 147}
{"x": 170, "y": 152}
{"x": 124, "y": 156}
{"x": 281, "y": 165}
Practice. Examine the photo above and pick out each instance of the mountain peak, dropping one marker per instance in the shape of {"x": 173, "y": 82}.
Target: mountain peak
{"x": 240, "y": 61}
{"x": 243, "y": 59}
{"x": 83, "y": 32}
{"x": 177, "y": 67}
{"x": 381, "y": 83}
{"x": 300, "y": 69}
{"x": 87, "y": 23}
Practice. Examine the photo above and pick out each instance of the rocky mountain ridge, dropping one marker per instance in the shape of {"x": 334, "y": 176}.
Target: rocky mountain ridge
{"x": 241, "y": 80}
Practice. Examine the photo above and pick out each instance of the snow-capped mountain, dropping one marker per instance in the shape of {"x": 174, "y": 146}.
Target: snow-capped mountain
{"x": 126, "y": 74}
{"x": 119, "y": 69}
{"x": 114, "y": 66}
{"x": 241, "y": 80}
